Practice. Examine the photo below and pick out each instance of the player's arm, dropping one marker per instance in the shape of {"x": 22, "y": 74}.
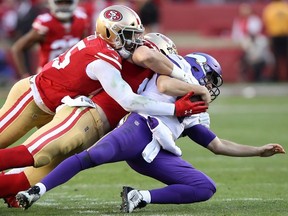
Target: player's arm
{"x": 150, "y": 58}
{"x": 120, "y": 91}
{"x": 229, "y": 148}
{"x": 17, "y": 50}
{"x": 205, "y": 137}
{"x": 174, "y": 87}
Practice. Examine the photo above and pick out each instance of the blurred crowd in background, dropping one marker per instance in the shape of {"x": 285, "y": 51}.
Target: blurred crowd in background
{"x": 259, "y": 36}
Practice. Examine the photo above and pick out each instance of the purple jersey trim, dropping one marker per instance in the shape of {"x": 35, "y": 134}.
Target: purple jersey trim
{"x": 200, "y": 134}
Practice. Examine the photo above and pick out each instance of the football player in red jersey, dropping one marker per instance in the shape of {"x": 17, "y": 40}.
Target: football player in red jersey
{"x": 91, "y": 65}
{"x": 74, "y": 129}
{"x": 54, "y": 32}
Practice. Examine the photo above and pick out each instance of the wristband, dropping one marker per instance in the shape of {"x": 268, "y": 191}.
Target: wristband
{"x": 177, "y": 73}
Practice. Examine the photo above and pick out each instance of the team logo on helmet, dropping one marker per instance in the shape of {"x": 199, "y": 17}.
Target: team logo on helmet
{"x": 113, "y": 15}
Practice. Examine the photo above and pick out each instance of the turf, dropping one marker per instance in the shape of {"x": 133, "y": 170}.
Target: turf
{"x": 245, "y": 186}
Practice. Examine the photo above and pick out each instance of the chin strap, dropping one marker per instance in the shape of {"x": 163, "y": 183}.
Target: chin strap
{"x": 124, "y": 53}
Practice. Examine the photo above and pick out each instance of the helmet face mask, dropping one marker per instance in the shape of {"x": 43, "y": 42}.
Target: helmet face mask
{"x": 207, "y": 71}
{"x": 121, "y": 28}
{"x": 62, "y": 9}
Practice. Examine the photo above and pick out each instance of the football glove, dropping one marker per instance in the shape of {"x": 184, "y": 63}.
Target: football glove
{"x": 185, "y": 107}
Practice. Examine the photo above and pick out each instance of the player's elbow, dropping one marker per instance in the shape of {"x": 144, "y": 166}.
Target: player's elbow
{"x": 126, "y": 103}
{"x": 216, "y": 146}
{"x": 14, "y": 49}
{"x": 162, "y": 87}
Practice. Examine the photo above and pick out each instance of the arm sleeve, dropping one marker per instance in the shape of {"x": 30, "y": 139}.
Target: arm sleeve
{"x": 112, "y": 82}
{"x": 200, "y": 134}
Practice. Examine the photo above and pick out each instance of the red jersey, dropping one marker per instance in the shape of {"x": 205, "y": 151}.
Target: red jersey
{"x": 59, "y": 36}
{"x": 67, "y": 74}
{"x": 135, "y": 76}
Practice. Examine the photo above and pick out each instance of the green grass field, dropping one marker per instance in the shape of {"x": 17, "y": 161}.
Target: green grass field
{"x": 246, "y": 186}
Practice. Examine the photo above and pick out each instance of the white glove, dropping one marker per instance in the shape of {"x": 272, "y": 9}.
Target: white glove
{"x": 163, "y": 135}
{"x": 204, "y": 119}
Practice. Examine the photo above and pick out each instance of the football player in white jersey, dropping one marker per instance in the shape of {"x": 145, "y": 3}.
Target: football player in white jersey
{"x": 185, "y": 183}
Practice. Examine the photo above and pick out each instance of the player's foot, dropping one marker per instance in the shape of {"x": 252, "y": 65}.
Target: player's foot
{"x": 131, "y": 199}
{"x": 11, "y": 202}
{"x": 28, "y": 197}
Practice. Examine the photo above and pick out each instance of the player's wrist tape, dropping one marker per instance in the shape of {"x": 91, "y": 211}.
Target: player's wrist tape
{"x": 177, "y": 73}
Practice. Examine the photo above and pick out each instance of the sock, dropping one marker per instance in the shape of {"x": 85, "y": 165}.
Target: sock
{"x": 65, "y": 171}
{"x": 146, "y": 195}
{"x": 42, "y": 188}
{"x": 11, "y": 184}
{"x": 15, "y": 157}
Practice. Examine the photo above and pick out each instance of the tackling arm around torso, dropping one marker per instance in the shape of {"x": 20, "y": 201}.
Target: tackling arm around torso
{"x": 112, "y": 82}
{"x": 174, "y": 87}
{"x": 156, "y": 61}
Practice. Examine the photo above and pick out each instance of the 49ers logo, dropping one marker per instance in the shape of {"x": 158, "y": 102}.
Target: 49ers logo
{"x": 113, "y": 15}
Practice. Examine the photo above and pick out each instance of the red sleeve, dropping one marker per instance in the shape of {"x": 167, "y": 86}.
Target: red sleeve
{"x": 110, "y": 56}
{"x": 40, "y": 23}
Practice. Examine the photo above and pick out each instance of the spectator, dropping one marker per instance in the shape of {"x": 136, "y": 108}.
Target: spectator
{"x": 257, "y": 55}
{"x": 246, "y": 17}
{"x": 275, "y": 17}
{"x": 246, "y": 30}
{"x": 149, "y": 14}
{"x": 6, "y": 71}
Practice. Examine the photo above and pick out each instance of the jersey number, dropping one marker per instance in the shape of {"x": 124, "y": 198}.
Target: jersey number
{"x": 62, "y": 64}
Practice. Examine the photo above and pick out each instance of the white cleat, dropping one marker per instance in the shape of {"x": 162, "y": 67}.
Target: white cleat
{"x": 131, "y": 199}
{"x": 28, "y": 197}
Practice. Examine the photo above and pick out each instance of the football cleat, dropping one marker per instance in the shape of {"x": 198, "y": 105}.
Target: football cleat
{"x": 131, "y": 199}
{"x": 26, "y": 198}
{"x": 11, "y": 202}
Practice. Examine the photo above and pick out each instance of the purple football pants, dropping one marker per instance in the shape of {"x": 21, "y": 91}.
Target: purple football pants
{"x": 185, "y": 184}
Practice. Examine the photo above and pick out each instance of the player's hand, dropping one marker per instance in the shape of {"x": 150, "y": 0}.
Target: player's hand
{"x": 206, "y": 97}
{"x": 185, "y": 107}
{"x": 271, "y": 149}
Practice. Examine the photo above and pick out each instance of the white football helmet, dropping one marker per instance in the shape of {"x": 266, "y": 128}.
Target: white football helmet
{"x": 120, "y": 27}
{"x": 164, "y": 44}
{"x": 62, "y": 9}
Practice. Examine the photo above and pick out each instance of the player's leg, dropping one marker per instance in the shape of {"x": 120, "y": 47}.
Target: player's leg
{"x": 88, "y": 130}
{"x": 21, "y": 179}
{"x": 68, "y": 131}
{"x": 185, "y": 184}
{"x": 124, "y": 142}
{"x": 20, "y": 114}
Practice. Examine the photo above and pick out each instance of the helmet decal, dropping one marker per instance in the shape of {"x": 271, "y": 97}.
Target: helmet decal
{"x": 113, "y": 15}
{"x": 161, "y": 42}
{"x": 118, "y": 25}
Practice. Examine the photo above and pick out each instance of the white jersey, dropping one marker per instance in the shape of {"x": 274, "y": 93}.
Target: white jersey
{"x": 175, "y": 124}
